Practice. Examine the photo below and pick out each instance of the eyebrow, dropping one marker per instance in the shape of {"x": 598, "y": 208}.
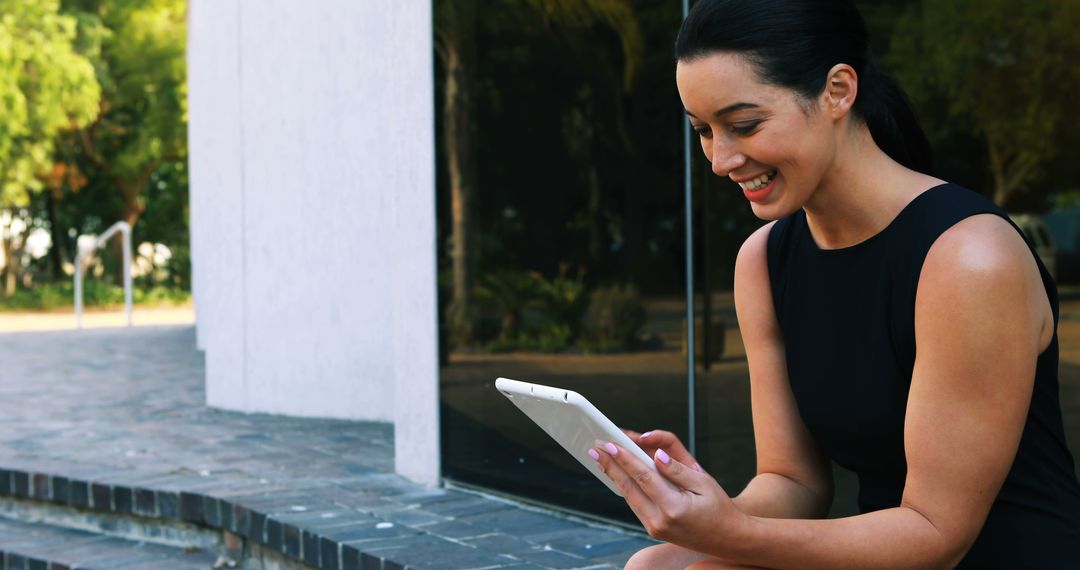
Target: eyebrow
{"x": 729, "y": 109}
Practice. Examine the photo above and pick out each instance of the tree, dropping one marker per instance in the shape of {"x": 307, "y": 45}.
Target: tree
{"x": 455, "y": 44}
{"x": 1004, "y": 70}
{"x": 570, "y": 22}
{"x": 142, "y": 124}
{"x": 46, "y": 86}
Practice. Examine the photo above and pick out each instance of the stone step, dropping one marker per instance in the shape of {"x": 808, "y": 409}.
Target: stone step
{"x": 38, "y": 546}
{"x": 371, "y": 520}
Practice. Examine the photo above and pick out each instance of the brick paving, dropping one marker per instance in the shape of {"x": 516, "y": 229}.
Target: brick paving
{"x": 114, "y": 420}
{"x": 55, "y": 548}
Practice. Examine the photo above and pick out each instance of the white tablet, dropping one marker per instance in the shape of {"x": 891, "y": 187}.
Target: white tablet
{"x": 570, "y": 420}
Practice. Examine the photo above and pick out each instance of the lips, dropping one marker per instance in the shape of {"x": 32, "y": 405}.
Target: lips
{"x": 759, "y": 189}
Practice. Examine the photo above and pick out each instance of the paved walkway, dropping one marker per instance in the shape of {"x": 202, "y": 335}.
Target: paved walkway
{"x": 125, "y": 406}
{"x": 20, "y": 321}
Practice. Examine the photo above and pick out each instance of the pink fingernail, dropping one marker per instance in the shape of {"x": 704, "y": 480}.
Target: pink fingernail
{"x": 697, "y": 468}
{"x": 594, "y": 454}
{"x": 662, "y": 457}
{"x": 645, "y": 435}
{"x": 610, "y": 448}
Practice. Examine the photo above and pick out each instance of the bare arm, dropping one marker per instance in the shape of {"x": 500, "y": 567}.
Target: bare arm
{"x": 794, "y": 479}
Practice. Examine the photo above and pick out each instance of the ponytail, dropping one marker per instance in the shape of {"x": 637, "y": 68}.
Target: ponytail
{"x": 882, "y": 104}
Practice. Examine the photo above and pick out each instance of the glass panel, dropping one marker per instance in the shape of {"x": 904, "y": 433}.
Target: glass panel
{"x": 725, "y": 432}
{"x": 1062, "y": 255}
{"x": 560, "y": 231}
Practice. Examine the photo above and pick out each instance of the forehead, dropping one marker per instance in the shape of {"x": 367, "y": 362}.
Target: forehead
{"x": 711, "y": 82}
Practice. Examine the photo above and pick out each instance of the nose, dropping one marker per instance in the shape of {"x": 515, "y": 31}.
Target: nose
{"x": 725, "y": 158}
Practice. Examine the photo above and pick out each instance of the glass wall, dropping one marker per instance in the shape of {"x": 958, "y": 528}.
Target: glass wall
{"x": 562, "y": 243}
{"x": 724, "y": 426}
{"x": 560, "y": 231}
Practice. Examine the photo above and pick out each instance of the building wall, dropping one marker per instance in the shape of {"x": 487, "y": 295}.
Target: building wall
{"x": 312, "y": 212}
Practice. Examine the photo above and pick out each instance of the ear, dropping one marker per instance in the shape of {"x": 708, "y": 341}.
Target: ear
{"x": 841, "y": 87}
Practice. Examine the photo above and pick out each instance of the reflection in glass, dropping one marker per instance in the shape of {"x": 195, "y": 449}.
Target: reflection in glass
{"x": 560, "y": 201}
{"x": 1063, "y": 226}
{"x": 560, "y": 236}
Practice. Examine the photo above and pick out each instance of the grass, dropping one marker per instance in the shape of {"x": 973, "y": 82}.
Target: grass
{"x": 54, "y": 296}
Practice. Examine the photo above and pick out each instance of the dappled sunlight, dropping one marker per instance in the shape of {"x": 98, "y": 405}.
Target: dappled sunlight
{"x": 26, "y": 321}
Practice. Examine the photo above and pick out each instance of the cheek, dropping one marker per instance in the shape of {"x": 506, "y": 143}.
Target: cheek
{"x": 797, "y": 152}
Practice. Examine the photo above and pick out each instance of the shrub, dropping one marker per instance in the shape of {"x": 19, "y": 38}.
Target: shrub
{"x": 536, "y": 314}
{"x": 96, "y": 293}
{"x": 613, "y": 319}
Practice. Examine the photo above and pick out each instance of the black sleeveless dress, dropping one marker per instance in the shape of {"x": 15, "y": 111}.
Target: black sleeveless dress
{"x": 848, "y": 323}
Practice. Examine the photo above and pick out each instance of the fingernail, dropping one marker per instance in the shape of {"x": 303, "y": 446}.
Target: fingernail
{"x": 645, "y": 435}
{"x": 610, "y": 448}
{"x": 662, "y": 457}
{"x": 594, "y": 454}
{"x": 697, "y": 468}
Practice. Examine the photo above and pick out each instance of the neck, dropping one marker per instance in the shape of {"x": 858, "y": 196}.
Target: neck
{"x": 861, "y": 193}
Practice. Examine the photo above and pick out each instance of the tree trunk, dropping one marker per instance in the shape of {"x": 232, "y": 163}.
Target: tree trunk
{"x": 56, "y": 252}
{"x": 1009, "y": 174}
{"x": 594, "y": 212}
{"x": 9, "y": 278}
{"x": 12, "y": 258}
{"x": 132, "y": 209}
{"x": 459, "y": 59}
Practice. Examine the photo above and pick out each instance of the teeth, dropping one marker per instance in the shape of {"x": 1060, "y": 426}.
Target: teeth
{"x": 758, "y": 182}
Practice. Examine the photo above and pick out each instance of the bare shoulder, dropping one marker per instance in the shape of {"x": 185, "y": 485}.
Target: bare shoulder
{"x": 980, "y": 250}
{"x": 983, "y": 264}
{"x": 981, "y": 243}
{"x": 754, "y": 251}
{"x": 753, "y": 297}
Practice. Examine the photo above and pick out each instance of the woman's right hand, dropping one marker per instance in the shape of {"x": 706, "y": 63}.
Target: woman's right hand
{"x": 650, "y": 441}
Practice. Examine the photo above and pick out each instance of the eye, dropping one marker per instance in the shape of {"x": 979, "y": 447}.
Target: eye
{"x": 702, "y": 131}
{"x": 743, "y": 129}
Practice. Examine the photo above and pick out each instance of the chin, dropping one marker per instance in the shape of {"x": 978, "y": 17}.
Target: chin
{"x": 771, "y": 211}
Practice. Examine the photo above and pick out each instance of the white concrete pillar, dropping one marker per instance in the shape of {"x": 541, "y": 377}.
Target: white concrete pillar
{"x": 313, "y": 215}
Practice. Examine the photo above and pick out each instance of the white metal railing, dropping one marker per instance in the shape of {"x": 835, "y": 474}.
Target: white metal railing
{"x": 84, "y": 252}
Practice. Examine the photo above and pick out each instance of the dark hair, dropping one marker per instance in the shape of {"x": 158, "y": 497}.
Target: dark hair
{"x": 794, "y": 44}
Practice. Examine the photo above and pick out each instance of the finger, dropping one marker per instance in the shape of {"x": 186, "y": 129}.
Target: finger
{"x": 669, "y": 442}
{"x": 652, "y": 483}
{"x": 638, "y": 501}
{"x": 680, "y": 474}
{"x": 648, "y": 447}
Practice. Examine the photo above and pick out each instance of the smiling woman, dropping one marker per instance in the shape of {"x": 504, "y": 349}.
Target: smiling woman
{"x": 865, "y": 310}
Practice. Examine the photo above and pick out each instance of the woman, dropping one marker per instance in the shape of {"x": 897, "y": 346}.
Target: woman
{"x": 894, "y": 323}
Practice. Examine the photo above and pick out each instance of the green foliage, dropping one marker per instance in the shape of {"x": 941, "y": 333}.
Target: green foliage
{"x": 1068, "y": 199}
{"x": 93, "y": 100}
{"x": 46, "y": 86}
{"x": 614, "y": 318}
{"x": 509, "y": 293}
{"x": 553, "y": 315}
{"x": 618, "y": 15}
{"x": 56, "y": 296}
{"x": 562, "y": 301}
{"x": 142, "y": 70}
{"x": 1002, "y": 70}
{"x": 536, "y": 313}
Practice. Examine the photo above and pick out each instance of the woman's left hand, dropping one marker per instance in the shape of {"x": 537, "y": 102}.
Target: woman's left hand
{"x": 675, "y": 503}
